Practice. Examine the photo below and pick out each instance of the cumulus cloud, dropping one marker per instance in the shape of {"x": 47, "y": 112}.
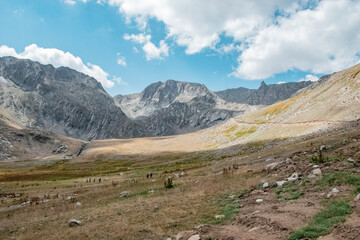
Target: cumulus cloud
{"x": 59, "y": 58}
{"x": 151, "y": 51}
{"x": 309, "y": 77}
{"x": 321, "y": 40}
{"x": 121, "y": 60}
{"x": 69, "y": 2}
{"x": 272, "y": 36}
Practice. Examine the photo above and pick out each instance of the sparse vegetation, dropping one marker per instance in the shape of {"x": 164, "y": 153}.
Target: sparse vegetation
{"x": 322, "y": 222}
{"x": 289, "y": 191}
{"x": 338, "y": 179}
{"x": 168, "y": 183}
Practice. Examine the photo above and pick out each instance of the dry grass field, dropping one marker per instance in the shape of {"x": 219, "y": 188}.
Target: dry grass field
{"x": 37, "y": 201}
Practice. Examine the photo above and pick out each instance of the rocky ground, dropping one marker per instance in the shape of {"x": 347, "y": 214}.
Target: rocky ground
{"x": 231, "y": 193}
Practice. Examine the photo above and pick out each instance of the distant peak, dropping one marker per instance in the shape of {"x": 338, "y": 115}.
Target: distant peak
{"x": 263, "y": 84}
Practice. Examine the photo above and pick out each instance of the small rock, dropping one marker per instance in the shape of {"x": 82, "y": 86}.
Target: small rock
{"x": 315, "y": 166}
{"x": 78, "y": 204}
{"x": 350, "y": 160}
{"x": 124, "y": 193}
{"x": 357, "y": 198}
{"x": 151, "y": 191}
{"x": 74, "y": 223}
{"x": 259, "y": 200}
{"x": 333, "y": 192}
{"x": 315, "y": 173}
{"x": 274, "y": 166}
{"x": 268, "y": 160}
{"x": 265, "y": 185}
{"x": 156, "y": 208}
{"x": 194, "y": 237}
{"x": 322, "y": 147}
{"x": 293, "y": 177}
{"x": 256, "y": 212}
{"x": 219, "y": 216}
{"x": 280, "y": 183}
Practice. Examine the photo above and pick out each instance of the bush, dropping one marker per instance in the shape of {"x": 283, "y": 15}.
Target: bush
{"x": 168, "y": 183}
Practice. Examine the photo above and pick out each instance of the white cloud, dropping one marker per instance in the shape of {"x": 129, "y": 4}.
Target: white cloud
{"x": 281, "y": 82}
{"x": 135, "y": 49}
{"x": 322, "y": 40}
{"x": 198, "y": 24}
{"x": 121, "y": 60}
{"x": 151, "y": 51}
{"x": 69, "y": 2}
{"x": 138, "y": 38}
{"x": 119, "y": 81}
{"x": 272, "y": 36}
{"x": 59, "y": 58}
{"x": 309, "y": 77}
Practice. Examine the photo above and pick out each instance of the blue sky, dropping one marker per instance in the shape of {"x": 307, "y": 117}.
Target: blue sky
{"x": 193, "y": 51}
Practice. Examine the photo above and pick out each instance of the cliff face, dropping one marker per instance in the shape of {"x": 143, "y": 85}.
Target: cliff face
{"x": 61, "y": 100}
{"x": 173, "y": 107}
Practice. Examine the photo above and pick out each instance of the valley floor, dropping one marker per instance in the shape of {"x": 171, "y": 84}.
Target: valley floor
{"x": 216, "y": 194}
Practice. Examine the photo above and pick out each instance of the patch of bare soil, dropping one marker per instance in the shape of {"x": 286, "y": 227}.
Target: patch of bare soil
{"x": 265, "y": 215}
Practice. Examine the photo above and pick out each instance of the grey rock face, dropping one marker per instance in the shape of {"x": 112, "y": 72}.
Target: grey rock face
{"x": 264, "y": 95}
{"x": 61, "y": 100}
{"x": 174, "y": 107}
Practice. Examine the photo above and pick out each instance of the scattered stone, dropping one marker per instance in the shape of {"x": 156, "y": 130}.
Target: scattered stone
{"x": 194, "y": 237}
{"x": 268, "y": 160}
{"x": 316, "y": 166}
{"x": 350, "y": 160}
{"x": 74, "y": 223}
{"x": 274, "y": 166}
{"x": 259, "y": 200}
{"x": 333, "y": 192}
{"x": 151, "y": 191}
{"x": 78, "y": 204}
{"x": 182, "y": 173}
{"x": 322, "y": 147}
{"x": 357, "y": 198}
{"x": 280, "y": 183}
{"x": 121, "y": 174}
{"x": 185, "y": 235}
{"x": 156, "y": 208}
{"x": 293, "y": 177}
{"x": 124, "y": 193}
{"x": 219, "y": 216}
{"x": 256, "y": 212}
{"x": 253, "y": 229}
{"x": 315, "y": 173}
{"x": 265, "y": 185}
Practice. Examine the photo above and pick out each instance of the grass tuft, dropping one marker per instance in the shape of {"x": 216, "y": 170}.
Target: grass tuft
{"x": 322, "y": 222}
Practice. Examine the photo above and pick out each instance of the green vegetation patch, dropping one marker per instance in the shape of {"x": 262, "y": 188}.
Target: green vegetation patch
{"x": 323, "y": 222}
{"x": 289, "y": 191}
{"x": 338, "y": 179}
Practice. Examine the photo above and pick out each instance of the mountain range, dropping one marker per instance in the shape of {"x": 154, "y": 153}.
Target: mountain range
{"x": 70, "y": 103}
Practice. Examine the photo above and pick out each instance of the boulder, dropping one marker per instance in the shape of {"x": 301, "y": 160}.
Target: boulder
{"x": 194, "y": 237}
{"x": 280, "y": 183}
{"x": 219, "y": 216}
{"x": 274, "y": 166}
{"x": 124, "y": 193}
{"x": 74, "y": 223}
{"x": 293, "y": 177}
{"x": 357, "y": 198}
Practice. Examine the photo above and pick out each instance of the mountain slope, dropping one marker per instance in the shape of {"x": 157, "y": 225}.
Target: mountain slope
{"x": 174, "y": 107}
{"x": 264, "y": 95}
{"x": 61, "y": 100}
